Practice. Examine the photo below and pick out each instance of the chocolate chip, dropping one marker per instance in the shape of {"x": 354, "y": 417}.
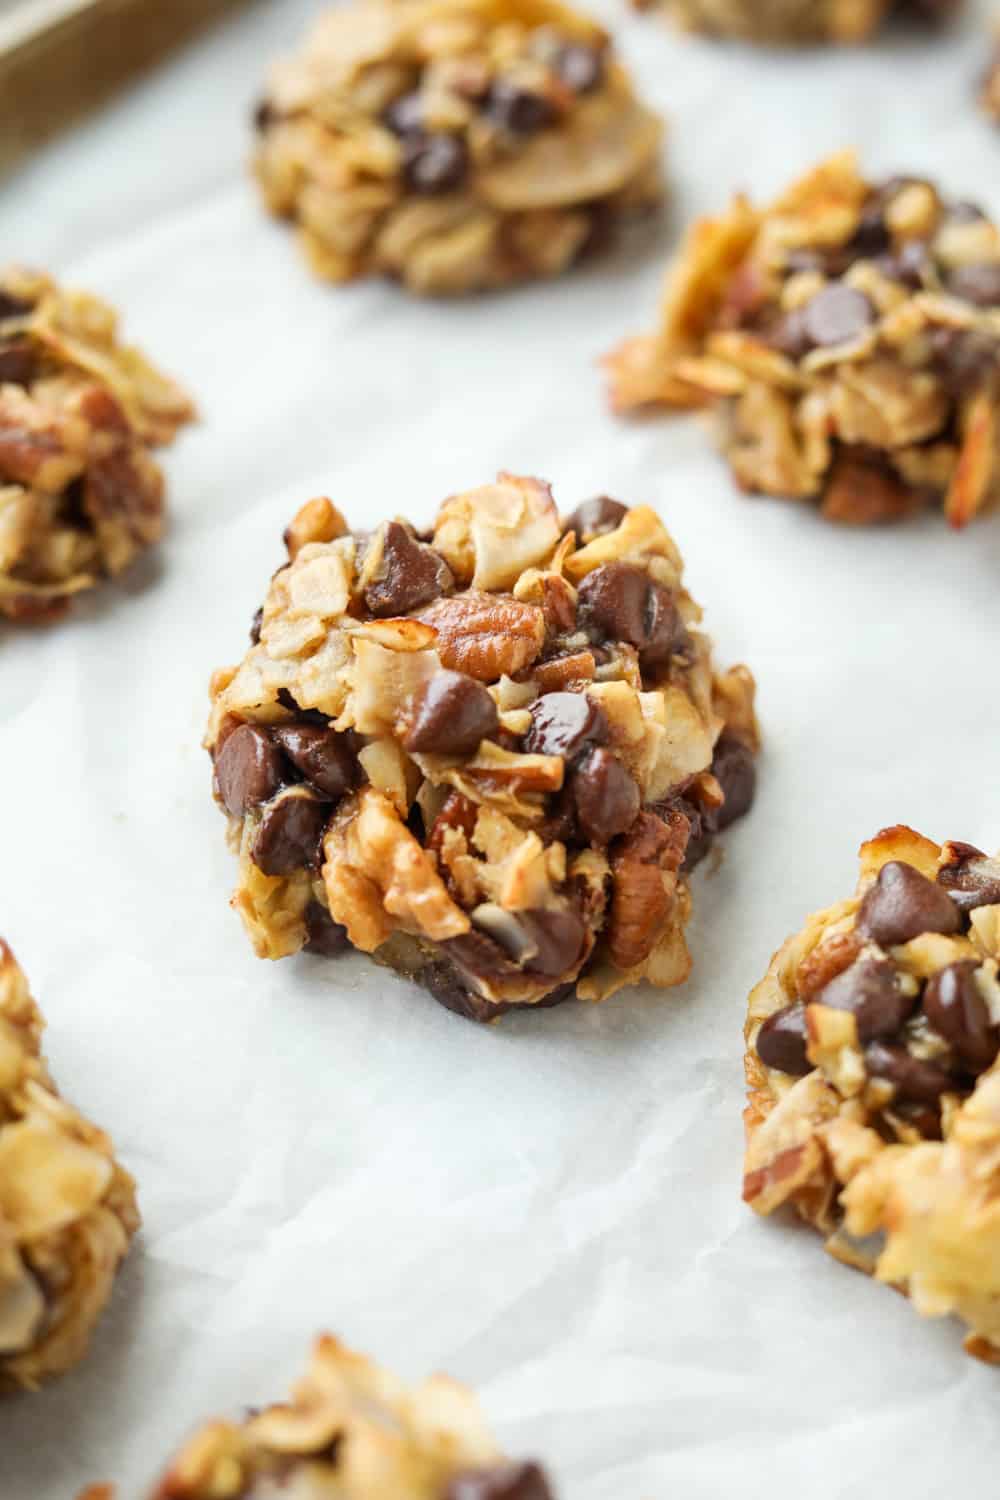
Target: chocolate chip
{"x": 248, "y": 769}
{"x": 564, "y": 723}
{"x": 970, "y": 878}
{"x": 870, "y": 990}
{"x": 606, "y": 798}
{"x": 965, "y": 359}
{"x": 954, "y": 1005}
{"x": 518, "y": 110}
{"x": 325, "y": 936}
{"x": 558, "y": 935}
{"x": 324, "y": 757}
{"x": 13, "y": 307}
{"x": 305, "y": 715}
{"x": 264, "y": 116}
{"x": 902, "y": 904}
{"x": 872, "y": 234}
{"x": 289, "y": 834}
{"x": 965, "y": 212}
{"x": 906, "y": 265}
{"x": 255, "y": 625}
{"x": 450, "y": 715}
{"x": 978, "y": 284}
{"x": 405, "y": 116}
{"x": 18, "y": 362}
{"x": 915, "y": 1080}
{"x": 735, "y": 769}
{"x": 505, "y": 1481}
{"x": 781, "y": 1041}
{"x": 836, "y": 315}
{"x": 580, "y": 68}
{"x": 409, "y": 574}
{"x": 595, "y": 517}
{"x": 435, "y": 163}
{"x": 620, "y": 602}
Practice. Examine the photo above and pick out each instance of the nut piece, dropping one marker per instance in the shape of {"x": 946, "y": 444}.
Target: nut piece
{"x": 80, "y": 494}
{"x": 874, "y": 1086}
{"x": 346, "y": 1421}
{"x": 847, "y": 337}
{"x": 67, "y": 1209}
{"x": 496, "y": 792}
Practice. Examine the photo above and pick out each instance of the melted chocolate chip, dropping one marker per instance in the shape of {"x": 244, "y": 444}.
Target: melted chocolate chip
{"x": 564, "y": 724}
{"x": 580, "y": 68}
{"x": 971, "y": 878}
{"x": 903, "y": 904}
{"x": 405, "y": 116}
{"x": 781, "y": 1041}
{"x": 248, "y": 769}
{"x": 435, "y": 164}
{"x": 870, "y": 990}
{"x": 325, "y": 936}
{"x": 906, "y": 265}
{"x": 735, "y": 769}
{"x": 620, "y": 602}
{"x": 595, "y": 517}
{"x": 504, "y": 1481}
{"x": 518, "y": 110}
{"x": 18, "y": 362}
{"x": 916, "y": 1081}
{"x": 605, "y": 797}
{"x": 978, "y": 284}
{"x": 836, "y": 315}
{"x": 410, "y": 574}
{"x": 450, "y": 715}
{"x": 954, "y": 1005}
{"x": 289, "y": 834}
{"x": 322, "y": 756}
{"x": 558, "y": 936}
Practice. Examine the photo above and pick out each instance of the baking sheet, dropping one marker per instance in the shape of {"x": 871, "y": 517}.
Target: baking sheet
{"x": 548, "y": 1209}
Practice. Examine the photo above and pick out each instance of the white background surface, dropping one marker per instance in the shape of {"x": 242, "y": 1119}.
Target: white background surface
{"x": 549, "y": 1209}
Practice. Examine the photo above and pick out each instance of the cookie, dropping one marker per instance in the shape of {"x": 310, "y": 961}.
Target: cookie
{"x": 357, "y": 1432}
{"x": 487, "y": 755}
{"x": 794, "y": 22}
{"x": 67, "y": 1209}
{"x": 455, "y": 145}
{"x": 847, "y": 339}
{"x": 874, "y": 1088}
{"x": 80, "y": 494}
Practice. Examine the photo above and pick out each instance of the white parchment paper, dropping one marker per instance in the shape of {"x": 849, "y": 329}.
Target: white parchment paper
{"x": 549, "y": 1209}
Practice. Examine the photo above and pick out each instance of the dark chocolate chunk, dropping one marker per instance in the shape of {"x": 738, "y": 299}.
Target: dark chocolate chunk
{"x": 410, "y": 574}
{"x": 605, "y": 797}
{"x": 595, "y": 517}
{"x": 325, "y": 936}
{"x": 620, "y": 602}
{"x": 248, "y": 769}
{"x": 564, "y": 724}
{"x": 322, "y": 756}
{"x": 971, "y": 878}
{"x": 435, "y": 164}
{"x": 902, "y": 904}
{"x": 870, "y": 990}
{"x": 450, "y": 715}
{"x": 954, "y": 1005}
{"x": 915, "y": 1081}
{"x": 504, "y": 1481}
{"x": 781, "y": 1041}
{"x": 836, "y": 315}
{"x": 518, "y": 110}
{"x": 290, "y": 832}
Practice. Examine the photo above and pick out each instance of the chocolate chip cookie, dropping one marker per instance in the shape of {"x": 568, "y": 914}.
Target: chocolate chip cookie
{"x": 874, "y": 1090}
{"x": 488, "y": 755}
{"x": 67, "y": 1209}
{"x": 355, "y": 1432}
{"x": 80, "y": 494}
{"x": 454, "y": 145}
{"x": 798, "y": 21}
{"x": 847, "y": 339}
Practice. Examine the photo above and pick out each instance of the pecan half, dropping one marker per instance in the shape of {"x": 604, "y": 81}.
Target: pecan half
{"x": 485, "y": 635}
{"x": 644, "y": 865}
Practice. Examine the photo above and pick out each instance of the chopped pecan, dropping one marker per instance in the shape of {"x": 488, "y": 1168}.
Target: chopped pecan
{"x": 563, "y": 672}
{"x": 644, "y": 864}
{"x": 318, "y": 520}
{"x": 826, "y": 961}
{"x": 486, "y": 635}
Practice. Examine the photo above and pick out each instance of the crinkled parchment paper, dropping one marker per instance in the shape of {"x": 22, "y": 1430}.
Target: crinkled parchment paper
{"x": 549, "y": 1209}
